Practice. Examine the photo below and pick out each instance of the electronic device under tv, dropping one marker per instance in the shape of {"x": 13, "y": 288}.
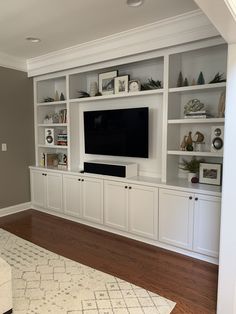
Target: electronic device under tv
{"x": 117, "y": 132}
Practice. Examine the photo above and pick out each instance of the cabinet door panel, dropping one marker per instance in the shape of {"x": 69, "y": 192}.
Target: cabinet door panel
{"x": 115, "y": 205}
{"x": 176, "y": 218}
{"x": 72, "y": 195}
{"x": 92, "y": 196}
{"x": 54, "y": 191}
{"x": 207, "y": 225}
{"x": 38, "y": 192}
{"x": 143, "y": 209}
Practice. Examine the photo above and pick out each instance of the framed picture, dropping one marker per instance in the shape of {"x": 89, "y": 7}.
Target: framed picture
{"x": 106, "y": 82}
{"x": 210, "y": 173}
{"x": 122, "y": 84}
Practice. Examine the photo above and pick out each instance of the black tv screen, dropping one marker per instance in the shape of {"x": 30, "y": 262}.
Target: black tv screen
{"x": 119, "y": 132}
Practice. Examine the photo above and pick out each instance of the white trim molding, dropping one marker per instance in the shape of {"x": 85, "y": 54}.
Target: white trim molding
{"x": 223, "y": 16}
{"x": 188, "y": 27}
{"x": 14, "y": 209}
{"x": 11, "y": 62}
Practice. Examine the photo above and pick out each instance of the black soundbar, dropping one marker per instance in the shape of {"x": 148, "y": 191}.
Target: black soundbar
{"x": 116, "y": 169}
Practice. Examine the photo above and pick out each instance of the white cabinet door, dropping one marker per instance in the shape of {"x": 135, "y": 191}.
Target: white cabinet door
{"x": 115, "y": 205}
{"x": 143, "y": 209}
{"x": 54, "y": 191}
{"x": 72, "y": 195}
{"x": 176, "y": 218}
{"x": 92, "y": 197}
{"x": 207, "y": 225}
{"x": 38, "y": 188}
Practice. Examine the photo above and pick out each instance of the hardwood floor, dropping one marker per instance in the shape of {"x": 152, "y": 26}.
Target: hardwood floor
{"x": 189, "y": 282}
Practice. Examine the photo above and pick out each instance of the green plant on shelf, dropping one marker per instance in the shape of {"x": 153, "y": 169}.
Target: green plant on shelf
{"x": 192, "y": 165}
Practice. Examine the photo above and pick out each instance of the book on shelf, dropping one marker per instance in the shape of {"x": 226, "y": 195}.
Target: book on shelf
{"x": 62, "y": 166}
{"x": 203, "y": 114}
{"x": 62, "y": 139}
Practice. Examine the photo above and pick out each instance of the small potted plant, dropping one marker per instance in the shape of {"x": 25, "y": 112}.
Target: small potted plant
{"x": 192, "y": 167}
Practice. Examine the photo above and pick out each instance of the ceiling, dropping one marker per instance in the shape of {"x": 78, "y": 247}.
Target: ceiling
{"x": 64, "y": 23}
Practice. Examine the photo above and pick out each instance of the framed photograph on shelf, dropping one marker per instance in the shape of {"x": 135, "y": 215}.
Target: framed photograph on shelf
{"x": 122, "y": 84}
{"x": 210, "y": 173}
{"x": 106, "y": 82}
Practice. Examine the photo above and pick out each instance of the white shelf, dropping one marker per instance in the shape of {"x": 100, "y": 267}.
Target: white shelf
{"x": 46, "y": 125}
{"x": 192, "y": 153}
{"x": 52, "y": 103}
{"x": 196, "y": 121}
{"x": 112, "y": 96}
{"x": 53, "y": 146}
{"x": 197, "y": 88}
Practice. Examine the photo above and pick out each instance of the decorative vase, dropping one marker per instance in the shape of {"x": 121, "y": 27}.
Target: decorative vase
{"x": 191, "y": 175}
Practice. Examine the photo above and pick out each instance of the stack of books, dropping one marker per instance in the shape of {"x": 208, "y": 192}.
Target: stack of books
{"x": 62, "y": 139}
{"x": 197, "y": 115}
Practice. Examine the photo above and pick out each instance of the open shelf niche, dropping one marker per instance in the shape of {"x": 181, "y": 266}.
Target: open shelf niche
{"x": 209, "y": 61}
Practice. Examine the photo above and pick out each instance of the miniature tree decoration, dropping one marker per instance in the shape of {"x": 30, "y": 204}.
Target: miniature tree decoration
{"x": 180, "y": 80}
{"x": 186, "y": 82}
{"x": 62, "y": 97}
{"x": 56, "y": 98}
{"x": 201, "y": 80}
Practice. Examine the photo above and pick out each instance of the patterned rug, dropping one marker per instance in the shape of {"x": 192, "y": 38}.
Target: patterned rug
{"x": 44, "y": 282}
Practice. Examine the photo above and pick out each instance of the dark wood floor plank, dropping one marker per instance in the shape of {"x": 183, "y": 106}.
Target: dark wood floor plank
{"x": 189, "y": 282}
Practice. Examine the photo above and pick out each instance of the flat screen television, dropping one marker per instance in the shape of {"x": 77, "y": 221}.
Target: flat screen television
{"x": 118, "y": 132}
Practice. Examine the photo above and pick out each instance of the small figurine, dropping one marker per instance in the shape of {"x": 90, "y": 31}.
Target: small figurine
{"x": 189, "y": 142}
{"x": 186, "y": 82}
{"x": 198, "y": 137}
{"x": 183, "y": 144}
{"x": 193, "y": 82}
{"x": 201, "y": 80}
{"x": 56, "y": 98}
{"x": 180, "y": 80}
{"x": 65, "y": 159}
{"x": 62, "y": 97}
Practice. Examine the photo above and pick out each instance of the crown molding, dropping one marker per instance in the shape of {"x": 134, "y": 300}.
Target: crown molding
{"x": 8, "y": 61}
{"x": 177, "y": 30}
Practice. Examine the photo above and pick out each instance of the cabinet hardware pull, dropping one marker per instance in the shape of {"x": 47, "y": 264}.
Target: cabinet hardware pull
{"x": 130, "y": 187}
{"x": 196, "y": 198}
{"x": 190, "y": 197}
{"x": 82, "y": 180}
{"x": 79, "y": 179}
{"x": 126, "y": 187}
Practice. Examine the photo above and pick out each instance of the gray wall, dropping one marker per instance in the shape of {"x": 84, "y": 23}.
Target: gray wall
{"x": 17, "y": 131}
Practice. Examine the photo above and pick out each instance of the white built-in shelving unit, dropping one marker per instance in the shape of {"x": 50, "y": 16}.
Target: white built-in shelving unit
{"x": 167, "y": 124}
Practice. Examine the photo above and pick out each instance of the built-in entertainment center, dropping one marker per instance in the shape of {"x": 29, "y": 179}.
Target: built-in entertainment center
{"x": 135, "y": 141}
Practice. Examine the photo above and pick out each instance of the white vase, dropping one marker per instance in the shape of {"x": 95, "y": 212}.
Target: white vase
{"x": 191, "y": 175}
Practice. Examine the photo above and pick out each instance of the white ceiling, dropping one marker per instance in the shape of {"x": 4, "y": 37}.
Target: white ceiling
{"x": 64, "y": 23}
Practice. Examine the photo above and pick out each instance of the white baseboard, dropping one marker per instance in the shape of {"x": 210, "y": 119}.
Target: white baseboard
{"x": 14, "y": 209}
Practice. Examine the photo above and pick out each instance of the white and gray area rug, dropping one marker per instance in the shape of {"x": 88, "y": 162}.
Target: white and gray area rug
{"x": 44, "y": 282}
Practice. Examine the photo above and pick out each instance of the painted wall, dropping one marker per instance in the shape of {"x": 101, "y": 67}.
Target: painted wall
{"x": 227, "y": 269}
{"x": 17, "y": 131}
